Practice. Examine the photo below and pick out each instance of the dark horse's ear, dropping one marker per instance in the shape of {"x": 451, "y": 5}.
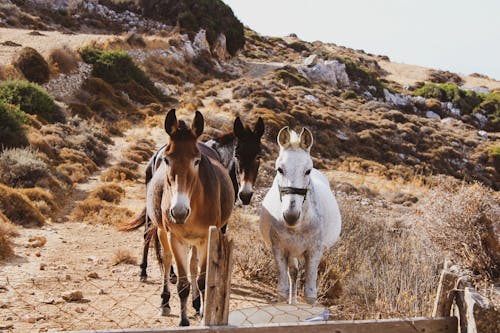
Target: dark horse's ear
{"x": 259, "y": 127}
{"x": 238, "y": 129}
{"x": 198, "y": 124}
{"x": 171, "y": 122}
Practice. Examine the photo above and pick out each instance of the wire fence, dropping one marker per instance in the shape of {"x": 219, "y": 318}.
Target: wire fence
{"x": 79, "y": 300}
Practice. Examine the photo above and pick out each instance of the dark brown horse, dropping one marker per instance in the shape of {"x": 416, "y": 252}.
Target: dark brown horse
{"x": 188, "y": 193}
{"x": 239, "y": 151}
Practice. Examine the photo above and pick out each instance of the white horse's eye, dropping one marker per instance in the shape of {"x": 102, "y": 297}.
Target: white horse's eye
{"x": 197, "y": 162}
{"x": 280, "y": 170}
{"x": 308, "y": 172}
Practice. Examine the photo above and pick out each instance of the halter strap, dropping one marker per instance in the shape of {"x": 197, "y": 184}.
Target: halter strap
{"x": 292, "y": 190}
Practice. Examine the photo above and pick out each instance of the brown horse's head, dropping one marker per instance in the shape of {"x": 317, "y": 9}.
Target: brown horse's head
{"x": 182, "y": 159}
{"x": 247, "y": 154}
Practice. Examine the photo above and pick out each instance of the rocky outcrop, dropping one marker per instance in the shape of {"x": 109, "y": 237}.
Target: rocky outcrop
{"x": 331, "y": 72}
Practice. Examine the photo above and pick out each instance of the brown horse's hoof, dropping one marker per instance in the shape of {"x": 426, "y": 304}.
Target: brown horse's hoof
{"x": 143, "y": 278}
{"x": 173, "y": 279}
{"x": 184, "y": 322}
{"x": 165, "y": 311}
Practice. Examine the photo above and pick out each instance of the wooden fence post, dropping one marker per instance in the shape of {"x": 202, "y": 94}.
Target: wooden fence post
{"x": 445, "y": 294}
{"x": 218, "y": 278}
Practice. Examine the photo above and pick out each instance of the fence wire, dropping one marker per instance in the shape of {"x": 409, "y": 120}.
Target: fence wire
{"x": 76, "y": 300}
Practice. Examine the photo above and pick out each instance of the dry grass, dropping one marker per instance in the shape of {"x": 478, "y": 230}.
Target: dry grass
{"x": 7, "y": 231}
{"x": 123, "y": 256}
{"x": 18, "y": 208}
{"x": 465, "y": 221}
{"x": 76, "y": 172}
{"x": 64, "y": 59}
{"x": 119, "y": 173}
{"x": 74, "y": 156}
{"x": 22, "y": 167}
{"x": 111, "y": 193}
{"x": 43, "y": 200}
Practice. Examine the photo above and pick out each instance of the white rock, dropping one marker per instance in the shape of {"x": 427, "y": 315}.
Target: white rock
{"x": 331, "y": 72}
{"x": 482, "y": 118}
{"x": 200, "y": 42}
{"x": 483, "y": 134}
{"x": 397, "y": 99}
{"x": 312, "y": 98}
{"x": 432, "y": 115}
{"x": 220, "y": 48}
{"x": 448, "y": 121}
{"x": 311, "y": 60}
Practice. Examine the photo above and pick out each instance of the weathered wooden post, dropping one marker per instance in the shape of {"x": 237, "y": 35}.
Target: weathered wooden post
{"x": 218, "y": 279}
{"x": 445, "y": 294}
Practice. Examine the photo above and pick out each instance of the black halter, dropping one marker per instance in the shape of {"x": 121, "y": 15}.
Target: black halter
{"x": 292, "y": 190}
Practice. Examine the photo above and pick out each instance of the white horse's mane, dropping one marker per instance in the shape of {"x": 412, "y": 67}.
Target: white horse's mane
{"x": 294, "y": 139}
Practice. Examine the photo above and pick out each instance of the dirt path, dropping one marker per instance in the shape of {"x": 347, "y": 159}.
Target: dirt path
{"x": 43, "y": 41}
{"x": 79, "y": 256}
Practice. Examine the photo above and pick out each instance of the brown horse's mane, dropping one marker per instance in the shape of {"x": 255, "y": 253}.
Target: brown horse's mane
{"x": 225, "y": 138}
{"x": 183, "y": 132}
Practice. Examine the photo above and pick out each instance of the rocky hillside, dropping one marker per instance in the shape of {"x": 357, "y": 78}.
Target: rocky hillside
{"x": 410, "y": 151}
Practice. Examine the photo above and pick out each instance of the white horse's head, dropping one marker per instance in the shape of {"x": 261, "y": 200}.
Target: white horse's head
{"x": 293, "y": 169}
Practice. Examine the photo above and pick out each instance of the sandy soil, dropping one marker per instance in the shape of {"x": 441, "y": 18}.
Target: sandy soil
{"x": 410, "y": 74}
{"x": 43, "y": 43}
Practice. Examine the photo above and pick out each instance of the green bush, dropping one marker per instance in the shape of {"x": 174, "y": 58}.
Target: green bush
{"x": 192, "y": 15}
{"x": 31, "y": 98}
{"x": 12, "y": 131}
{"x": 298, "y": 46}
{"x": 32, "y": 65}
{"x": 465, "y": 100}
{"x": 349, "y": 94}
{"x": 291, "y": 76}
{"x": 117, "y": 67}
{"x": 364, "y": 76}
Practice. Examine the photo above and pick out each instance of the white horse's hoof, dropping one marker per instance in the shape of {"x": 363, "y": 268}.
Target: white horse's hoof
{"x": 311, "y": 300}
{"x": 165, "y": 311}
{"x": 293, "y": 301}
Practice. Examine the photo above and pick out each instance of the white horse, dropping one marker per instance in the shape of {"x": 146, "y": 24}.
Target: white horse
{"x": 300, "y": 216}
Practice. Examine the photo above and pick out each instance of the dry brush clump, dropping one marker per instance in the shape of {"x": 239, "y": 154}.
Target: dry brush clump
{"x": 7, "y": 231}
{"x": 18, "y": 208}
{"x": 33, "y": 65}
{"x": 101, "y": 206}
{"x": 22, "y": 167}
{"x": 45, "y": 201}
{"x": 64, "y": 59}
{"x": 465, "y": 221}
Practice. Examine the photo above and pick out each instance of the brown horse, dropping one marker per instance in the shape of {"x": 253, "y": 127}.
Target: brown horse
{"x": 189, "y": 192}
{"x": 238, "y": 151}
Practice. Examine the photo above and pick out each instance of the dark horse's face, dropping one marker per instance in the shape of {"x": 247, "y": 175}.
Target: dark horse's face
{"x": 247, "y": 153}
{"x": 182, "y": 159}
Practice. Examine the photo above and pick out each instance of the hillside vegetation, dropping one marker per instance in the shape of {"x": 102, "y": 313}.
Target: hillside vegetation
{"x": 415, "y": 168}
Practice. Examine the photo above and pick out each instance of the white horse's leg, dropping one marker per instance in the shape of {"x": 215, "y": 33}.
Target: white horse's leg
{"x": 193, "y": 268}
{"x": 282, "y": 265}
{"x": 310, "y": 289}
{"x": 293, "y": 272}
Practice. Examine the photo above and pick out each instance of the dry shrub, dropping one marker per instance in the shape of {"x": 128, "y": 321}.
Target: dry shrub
{"x": 38, "y": 142}
{"x": 119, "y": 173}
{"x": 172, "y": 71}
{"x": 9, "y": 72}
{"x": 18, "y": 208}
{"x": 123, "y": 256}
{"x": 43, "y": 200}
{"x": 32, "y": 65}
{"x": 76, "y": 172}
{"x": 94, "y": 210}
{"x": 111, "y": 193}
{"x": 465, "y": 222}
{"x": 64, "y": 59}
{"x": 7, "y": 230}
{"x": 379, "y": 268}
{"x": 75, "y": 156}
{"x": 134, "y": 157}
{"x": 21, "y": 167}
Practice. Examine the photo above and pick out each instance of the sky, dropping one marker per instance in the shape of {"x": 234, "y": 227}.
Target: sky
{"x": 456, "y": 35}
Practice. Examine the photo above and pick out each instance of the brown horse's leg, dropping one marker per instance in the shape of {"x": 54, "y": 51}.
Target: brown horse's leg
{"x": 167, "y": 261}
{"x": 147, "y": 239}
{"x": 180, "y": 252}
{"x": 193, "y": 267}
{"x": 202, "y": 268}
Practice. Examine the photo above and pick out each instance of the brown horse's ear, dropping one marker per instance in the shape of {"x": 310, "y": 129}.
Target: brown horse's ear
{"x": 198, "y": 124}
{"x": 284, "y": 137}
{"x": 259, "y": 127}
{"x": 238, "y": 129}
{"x": 306, "y": 139}
{"x": 171, "y": 122}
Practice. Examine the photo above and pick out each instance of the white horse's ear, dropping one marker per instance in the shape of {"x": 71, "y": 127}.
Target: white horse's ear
{"x": 284, "y": 137}
{"x": 306, "y": 139}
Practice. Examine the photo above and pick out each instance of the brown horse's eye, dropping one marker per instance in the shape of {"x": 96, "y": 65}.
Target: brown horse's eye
{"x": 197, "y": 162}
